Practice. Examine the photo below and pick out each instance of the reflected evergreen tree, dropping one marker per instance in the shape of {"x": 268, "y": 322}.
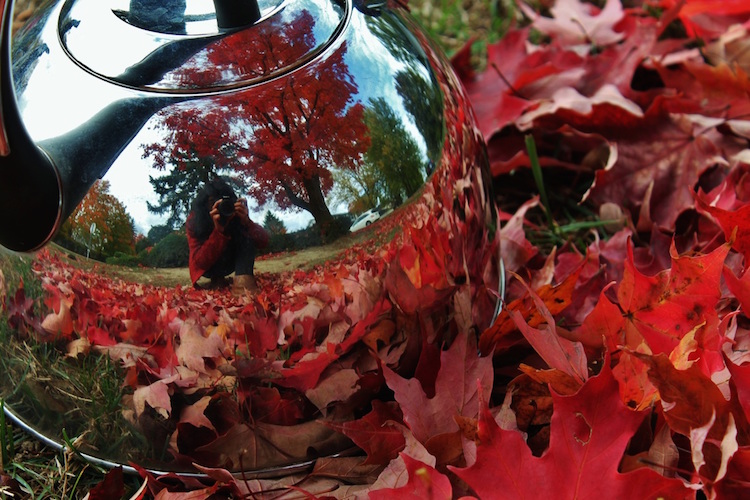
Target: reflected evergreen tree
{"x": 415, "y": 83}
{"x": 423, "y": 100}
{"x": 177, "y": 188}
{"x": 273, "y": 224}
{"x": 391, "y": 35}
{"x": 394, "y": 154}
{"x": 158, "y": 233}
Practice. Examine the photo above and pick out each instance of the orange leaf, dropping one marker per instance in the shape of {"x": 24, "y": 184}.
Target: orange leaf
{"x": 559, "y": 381}
{"x": 555, "y": 298}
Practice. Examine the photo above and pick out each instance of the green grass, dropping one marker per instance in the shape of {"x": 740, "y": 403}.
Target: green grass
{"x": 56, "y": 391}
{"x": 452, "y": 23}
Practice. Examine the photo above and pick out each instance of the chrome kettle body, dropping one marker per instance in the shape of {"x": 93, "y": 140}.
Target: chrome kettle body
{"x": 342, "y": 126}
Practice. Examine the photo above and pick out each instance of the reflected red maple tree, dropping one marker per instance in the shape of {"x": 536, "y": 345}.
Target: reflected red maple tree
{"x": 279, "y": 135}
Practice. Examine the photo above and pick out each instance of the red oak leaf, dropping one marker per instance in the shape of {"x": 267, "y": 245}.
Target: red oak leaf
{"x": 589, "y": 433}
{"x": 425, "y": 483}
{"x": 456, "y": 390}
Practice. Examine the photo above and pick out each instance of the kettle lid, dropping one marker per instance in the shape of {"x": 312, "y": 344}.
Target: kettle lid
{"x": 180, "y": 46}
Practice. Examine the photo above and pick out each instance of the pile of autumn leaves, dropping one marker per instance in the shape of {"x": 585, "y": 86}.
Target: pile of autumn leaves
{"x": 618, "y": 371}
{"x": 658, "y": 311}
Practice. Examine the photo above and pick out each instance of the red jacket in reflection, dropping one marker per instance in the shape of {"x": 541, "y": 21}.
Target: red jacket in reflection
{"x": 204, "y": 253}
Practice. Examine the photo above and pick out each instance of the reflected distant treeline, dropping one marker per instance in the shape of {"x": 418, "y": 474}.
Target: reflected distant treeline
{"x": 164, "y": 247}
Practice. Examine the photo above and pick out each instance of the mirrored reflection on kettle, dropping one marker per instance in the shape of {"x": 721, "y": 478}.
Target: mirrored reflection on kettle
{"x": 239, "y": 208}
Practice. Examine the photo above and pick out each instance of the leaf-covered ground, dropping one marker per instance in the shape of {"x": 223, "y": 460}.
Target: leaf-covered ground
{"x": 619, "y": 367}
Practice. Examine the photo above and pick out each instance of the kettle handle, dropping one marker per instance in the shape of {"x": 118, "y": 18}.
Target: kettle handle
{"x": 6, "y": 27}
{"x": 42, "y": 183}
{"x": 30, "y": 196}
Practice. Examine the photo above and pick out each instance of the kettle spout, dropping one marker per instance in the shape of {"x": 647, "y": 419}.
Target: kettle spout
{"x": 30, "y": 192}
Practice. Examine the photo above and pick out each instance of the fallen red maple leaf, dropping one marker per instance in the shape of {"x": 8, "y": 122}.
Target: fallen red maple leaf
{"x": 741, "y": 382}
{"x": 589, "y": 433}
{"x": 456, "y": 390}
{"x": 708, "y": 18}
{"x": 112, "y": 486}
{"x": 695, "y": 407}
{"x": 657, "y": 313}
{"x": 381, "y": 442}
{"x": 658, "y": 164}
{"x": 494, "y": 92}
{"x": 735, "y": 224}
{"x": 531, "y": 310}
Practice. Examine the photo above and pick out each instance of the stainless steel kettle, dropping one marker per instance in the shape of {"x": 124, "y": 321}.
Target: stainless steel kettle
{"x": 337, "y": 120}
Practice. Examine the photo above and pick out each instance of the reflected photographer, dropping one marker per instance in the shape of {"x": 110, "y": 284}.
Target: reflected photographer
{"x": 222, "y": 238}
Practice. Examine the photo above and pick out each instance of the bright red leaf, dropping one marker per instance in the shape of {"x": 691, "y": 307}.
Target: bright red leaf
{"x": 380, "y": 441}
{"x": 589, "y": 433}
{"x": 734, "y": 223}
{"x": 658, "y": 312}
